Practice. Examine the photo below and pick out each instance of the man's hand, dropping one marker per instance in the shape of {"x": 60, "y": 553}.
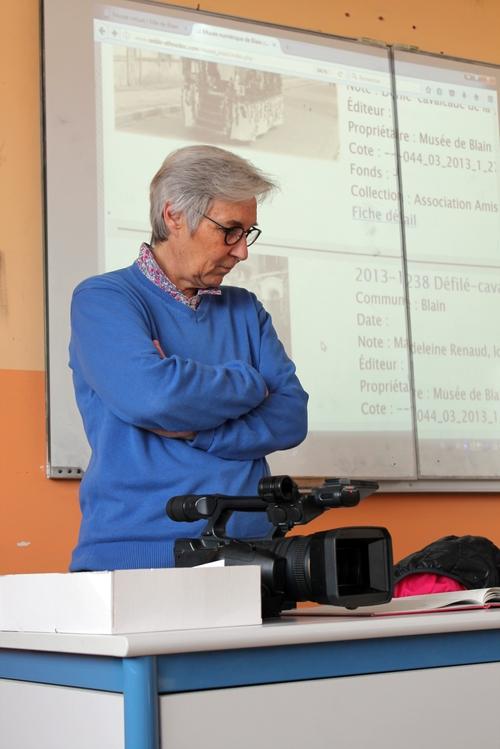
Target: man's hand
{"x": 157, "y": 345}
{"x": 174, "y": 435}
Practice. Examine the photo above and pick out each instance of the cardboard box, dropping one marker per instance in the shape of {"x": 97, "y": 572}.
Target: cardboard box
{"x": 125, "y": 601}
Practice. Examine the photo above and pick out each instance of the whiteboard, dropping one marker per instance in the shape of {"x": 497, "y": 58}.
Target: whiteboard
{"x": 365, "y": 251}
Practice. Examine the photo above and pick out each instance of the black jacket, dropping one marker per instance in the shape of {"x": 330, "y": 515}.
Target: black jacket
{"x": 474, "y": 561}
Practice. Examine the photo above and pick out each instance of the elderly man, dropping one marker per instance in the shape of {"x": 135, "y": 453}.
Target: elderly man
{"x": 183, "y": 386}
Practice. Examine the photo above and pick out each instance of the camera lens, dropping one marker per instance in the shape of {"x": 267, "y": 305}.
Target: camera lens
{"x": 353, "y": 572}
{"x": 296, "y": 552}
{"x": 342, "y": 567}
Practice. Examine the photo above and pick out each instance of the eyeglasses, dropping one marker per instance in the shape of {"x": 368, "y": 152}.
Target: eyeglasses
{"x": 233, "y": 234}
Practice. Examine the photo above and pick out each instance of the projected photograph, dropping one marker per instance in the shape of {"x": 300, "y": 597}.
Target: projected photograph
{"x": 159, "y": 94}
{"x": 267, "y": 277}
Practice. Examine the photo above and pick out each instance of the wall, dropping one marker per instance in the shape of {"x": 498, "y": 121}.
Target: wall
{"x": 39, "y": 518}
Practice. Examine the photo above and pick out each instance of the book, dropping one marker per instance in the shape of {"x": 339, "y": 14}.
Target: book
{"x": 457, "y": 600}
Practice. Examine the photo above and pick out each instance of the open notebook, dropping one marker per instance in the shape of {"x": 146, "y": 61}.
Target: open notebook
{"x": 455, "y": 600}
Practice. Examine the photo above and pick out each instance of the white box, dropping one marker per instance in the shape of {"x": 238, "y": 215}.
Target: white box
{"x": 125, "y": 601}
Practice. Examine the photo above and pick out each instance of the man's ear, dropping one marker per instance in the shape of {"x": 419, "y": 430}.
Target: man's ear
{"x": 173, "y": 221}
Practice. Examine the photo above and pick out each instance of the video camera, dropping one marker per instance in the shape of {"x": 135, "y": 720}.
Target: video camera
{"x": 348, "y": 567}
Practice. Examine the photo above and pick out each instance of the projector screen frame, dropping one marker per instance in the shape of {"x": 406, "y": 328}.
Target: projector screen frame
{"x": 423, "y": 484}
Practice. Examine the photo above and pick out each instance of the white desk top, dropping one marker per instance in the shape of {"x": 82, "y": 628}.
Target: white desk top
{"x": 289, "y": 630}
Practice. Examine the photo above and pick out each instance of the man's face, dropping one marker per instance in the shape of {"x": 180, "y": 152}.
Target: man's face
{"x": 202, "y": 259}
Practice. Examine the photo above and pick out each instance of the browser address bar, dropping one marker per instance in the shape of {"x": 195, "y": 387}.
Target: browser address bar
{"x": 208, "y": 50}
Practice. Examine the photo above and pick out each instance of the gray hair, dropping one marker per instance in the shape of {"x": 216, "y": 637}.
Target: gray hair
{"x": 192, "y": 177}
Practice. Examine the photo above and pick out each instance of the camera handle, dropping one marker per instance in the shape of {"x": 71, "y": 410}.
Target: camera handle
{"x": 216, "y": 509}
{"x": 279, "y": 496}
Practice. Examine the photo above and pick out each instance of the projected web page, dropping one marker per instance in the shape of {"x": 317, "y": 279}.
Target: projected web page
{"x": 450, "y": 177}
{"x": 297, "y": 110}
{"x": 401, "y": 359}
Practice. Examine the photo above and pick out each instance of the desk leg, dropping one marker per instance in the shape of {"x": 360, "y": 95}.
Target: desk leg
{"x": 140, "y": 699}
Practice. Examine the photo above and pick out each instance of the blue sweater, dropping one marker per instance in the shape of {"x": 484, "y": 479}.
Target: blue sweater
{"x": 226, "y": 377}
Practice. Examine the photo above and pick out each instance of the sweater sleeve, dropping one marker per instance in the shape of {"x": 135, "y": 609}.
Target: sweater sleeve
{"x": 112, "y": 350}
{"x": 278, "y": 422}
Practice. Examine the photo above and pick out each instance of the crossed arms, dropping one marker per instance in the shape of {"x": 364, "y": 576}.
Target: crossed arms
{"x": 233, "y": 410}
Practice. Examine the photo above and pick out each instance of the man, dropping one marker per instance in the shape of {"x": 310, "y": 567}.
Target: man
{"x": 183, "y": 386}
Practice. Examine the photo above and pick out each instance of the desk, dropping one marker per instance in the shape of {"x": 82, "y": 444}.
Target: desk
{"x": 424, "y": 680}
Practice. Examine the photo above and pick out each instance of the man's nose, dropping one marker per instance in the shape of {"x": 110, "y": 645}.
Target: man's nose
{"x": 240, "y": 249}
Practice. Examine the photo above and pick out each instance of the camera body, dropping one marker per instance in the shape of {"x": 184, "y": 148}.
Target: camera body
{"x": 347, "y": 567}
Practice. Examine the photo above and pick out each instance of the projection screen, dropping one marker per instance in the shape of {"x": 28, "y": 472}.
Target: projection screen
{"x": 365, "y": 283}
